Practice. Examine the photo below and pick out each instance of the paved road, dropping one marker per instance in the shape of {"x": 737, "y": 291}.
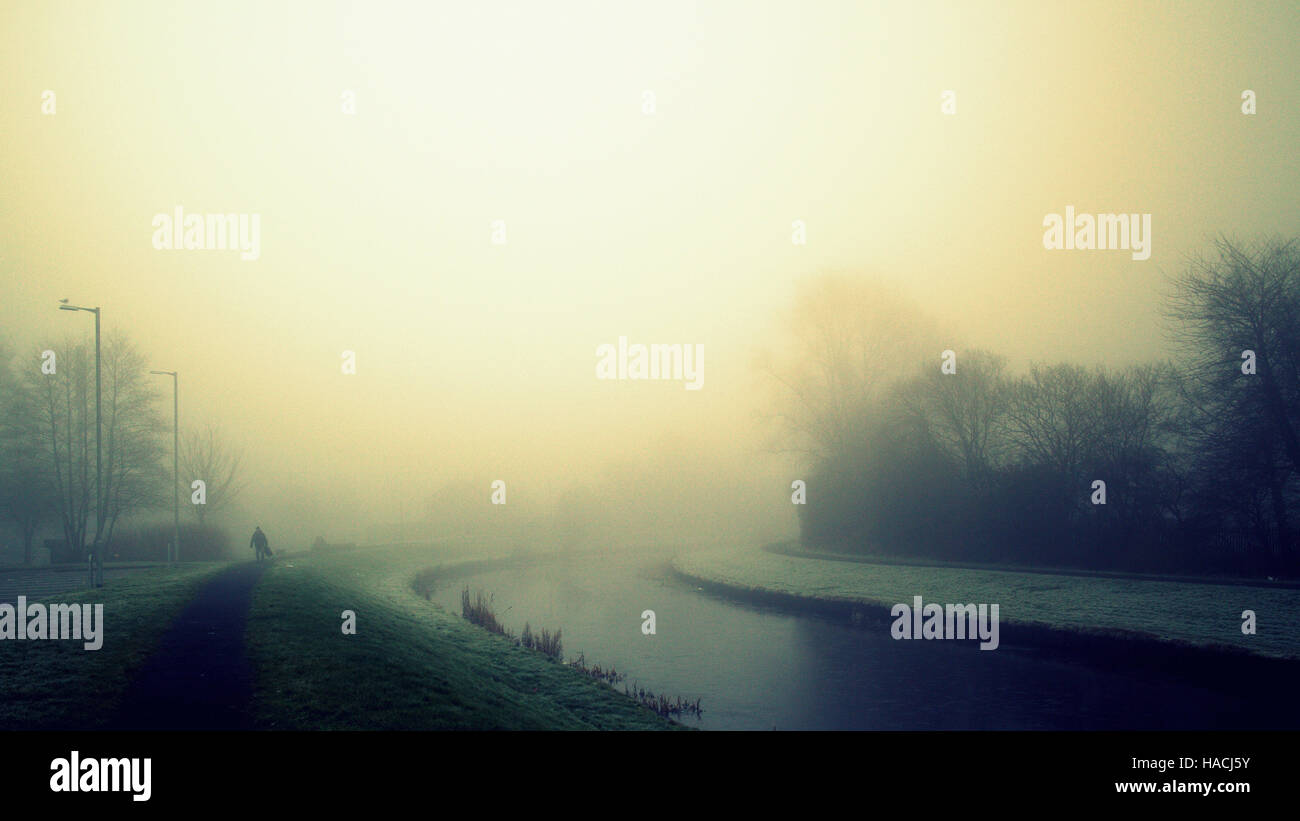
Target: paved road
{"x": 199, "y": 677}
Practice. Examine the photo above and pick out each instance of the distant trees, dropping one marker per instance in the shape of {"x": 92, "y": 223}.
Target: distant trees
{"x": 63, "y": 412}
{"x": 47, "y": 450}
{"x": 48, "y": 435}
{"x": 134, "y": 476}
{"x": 851, "y": 341}
{"x": 207, "y": 455}
{"x": 967, "y": 416}
{"x": 1199, "y": 457}
{"x": 27, "y": 492}
{"x": 998, "y": 468}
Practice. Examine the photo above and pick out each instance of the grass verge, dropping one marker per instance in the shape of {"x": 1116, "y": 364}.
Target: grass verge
{"x": 411, "y": 665}
{"x": 1047, "y": 608}
{"x": 59, "y": 685}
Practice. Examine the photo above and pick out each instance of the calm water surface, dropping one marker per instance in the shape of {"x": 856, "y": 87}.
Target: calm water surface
{"x": 758, "y": 668}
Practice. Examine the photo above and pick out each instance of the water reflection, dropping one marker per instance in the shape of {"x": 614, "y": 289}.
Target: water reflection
{"x": 758, "y": 668}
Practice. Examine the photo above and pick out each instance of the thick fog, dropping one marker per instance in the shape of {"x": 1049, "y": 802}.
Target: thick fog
{"x": 463, "y": 205}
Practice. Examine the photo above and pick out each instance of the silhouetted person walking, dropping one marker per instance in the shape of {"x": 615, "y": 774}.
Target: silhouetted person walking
{"x": 260, "y": 544}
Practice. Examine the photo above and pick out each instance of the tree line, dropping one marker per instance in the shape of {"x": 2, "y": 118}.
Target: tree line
{"x": 1198, "y": 454}
{"x": 48, "y": 454}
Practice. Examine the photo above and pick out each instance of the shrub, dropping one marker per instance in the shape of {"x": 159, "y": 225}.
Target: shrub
{"x": 550, "y": 644}
{"x": 425, "y": 581}
{"x": 149, "y": 543}
{"x": 478, "y": 610}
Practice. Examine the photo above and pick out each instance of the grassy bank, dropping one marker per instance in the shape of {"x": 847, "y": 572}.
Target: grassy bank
{"x": 61, "y": 685}
{"x": 1199, "y": 615}
{"x": 799, "y": 551}
{"x": 411, "y": 665}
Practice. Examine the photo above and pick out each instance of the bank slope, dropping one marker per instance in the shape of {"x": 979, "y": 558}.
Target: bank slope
{"x": 411, "y": 665}
{"x": 1205, "y": 616}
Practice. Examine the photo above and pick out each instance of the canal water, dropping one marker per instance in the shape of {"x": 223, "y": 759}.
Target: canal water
{"x": 760, "y": 668}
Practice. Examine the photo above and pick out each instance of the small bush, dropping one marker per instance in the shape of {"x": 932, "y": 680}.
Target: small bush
{"x": 149, "y": 543}
{"x": 550, "y": 644}
{"x": 322, "y": 546}
{"x": 478, "y": 610}
{"x": 424, "y": 582}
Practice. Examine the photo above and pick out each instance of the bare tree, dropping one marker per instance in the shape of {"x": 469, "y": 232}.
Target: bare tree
{"x": 966, "y": 411}
{"x": 1053, "y": 417}
{"x": 133, "y": 445}
{"x": 1246, "y": 300}
{"x": 63, "y": 405}
{"x": 207, "y": 455}
{"x": 27, "y": 495}
{"x": 1237, "y": 322}
{"x": 849, "y": 342}
{"x": 62, "y": 408}
{"x": 1137, "y": 433}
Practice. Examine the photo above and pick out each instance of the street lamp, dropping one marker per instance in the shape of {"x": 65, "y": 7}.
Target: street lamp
{"x": 97, "y": 562}
{"x": 176, "y": 462}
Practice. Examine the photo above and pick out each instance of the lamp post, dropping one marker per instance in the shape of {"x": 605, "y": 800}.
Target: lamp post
{"x": 97, "y": 562}
{"x": 175, "y": 555}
